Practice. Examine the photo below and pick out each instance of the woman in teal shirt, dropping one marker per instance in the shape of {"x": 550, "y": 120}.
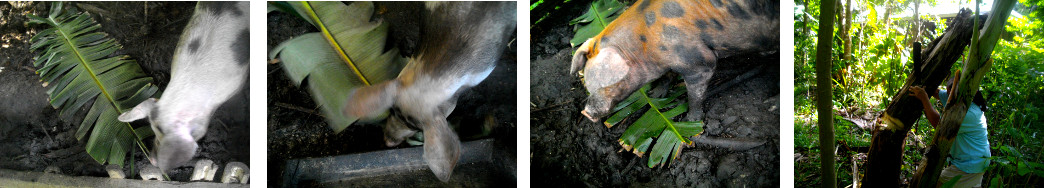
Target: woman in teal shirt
{"x": 970, "y": 153}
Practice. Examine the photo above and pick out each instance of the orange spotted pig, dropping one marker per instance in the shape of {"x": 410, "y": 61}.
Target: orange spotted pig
{"x": 684, "y": 36}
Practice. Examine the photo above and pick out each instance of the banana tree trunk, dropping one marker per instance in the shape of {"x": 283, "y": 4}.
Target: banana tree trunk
{"x": 931, "y": 66}
{"x": 976, "y": 65}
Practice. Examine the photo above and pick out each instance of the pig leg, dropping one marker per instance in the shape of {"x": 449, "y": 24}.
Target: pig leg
{"x": 696, "y": 83}
{"x": 441, "y": 147}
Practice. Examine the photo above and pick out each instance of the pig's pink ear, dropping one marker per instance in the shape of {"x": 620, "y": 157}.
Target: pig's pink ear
{"x": 138, "y": 112}
{"x": 580, "y": 57}
{"x": 371, "y": 101}
{"x": 606, "y": 69}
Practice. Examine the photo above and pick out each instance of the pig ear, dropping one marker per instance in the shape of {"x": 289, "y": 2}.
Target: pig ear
{"x": 371, "y": 101}
{"x": 441, "y": 148}
{"x": 138, "y": 112}
{"x": 580, "y": 57}
{"x": 608, "y": 68}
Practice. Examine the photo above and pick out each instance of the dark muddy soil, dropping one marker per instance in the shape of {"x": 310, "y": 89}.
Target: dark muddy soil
{"x": 568, "y": 150}
{"x": 297, "y": 130}
{"x": 33, "y": 138}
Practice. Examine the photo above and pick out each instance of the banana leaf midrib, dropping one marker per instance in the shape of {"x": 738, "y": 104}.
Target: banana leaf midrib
{"x": 668, "y": 122}
{"x": 598, "y": 16}
{"x": 94, "y": 77}
{"x": 83, "y": 62}
{"x": 333, "y": 42}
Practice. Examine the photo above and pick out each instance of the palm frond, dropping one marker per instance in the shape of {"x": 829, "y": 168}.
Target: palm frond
{"x": 346, "y": 53}
{"x": 597, "y": 17}
{"x": 78, "y": 63}
{"x": 655, "y": 124}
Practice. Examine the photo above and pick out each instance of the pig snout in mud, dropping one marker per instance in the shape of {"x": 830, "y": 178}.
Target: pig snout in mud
{"x": 686, "y": 37}
{"x": 461, "y": 42}
{"x": 209, "y": 67}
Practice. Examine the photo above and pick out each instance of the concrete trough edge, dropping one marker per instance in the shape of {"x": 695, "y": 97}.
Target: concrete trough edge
{"x": 376, "y": 163}
{"x": 15, "y": 178}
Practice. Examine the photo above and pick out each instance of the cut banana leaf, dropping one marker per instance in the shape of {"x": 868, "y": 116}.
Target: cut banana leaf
{"x": 656, "y": 125}
{"x": 598, "y": 16}
{"x": 78, "y": 63}
{"x": 347, "y": 53}
{"x": 625, "y": 108}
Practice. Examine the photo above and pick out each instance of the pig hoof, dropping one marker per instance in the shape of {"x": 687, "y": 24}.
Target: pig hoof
{"x": 204, "y": 170}
{"x": 115, "y": 172}
{"x": 236, "y": 172}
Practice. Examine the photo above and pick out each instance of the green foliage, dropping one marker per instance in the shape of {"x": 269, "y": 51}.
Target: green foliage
{"x": 953, "y": 181}
{"x": 535, "y": 4}
{"x": 78, "y": 63}
{"x": 601, "y": 13}
{"x": 656, "y": 124}
{"x": 1013, "y": 90}
{"x": 346, "y": 53}
{"x": 879, "y": 65}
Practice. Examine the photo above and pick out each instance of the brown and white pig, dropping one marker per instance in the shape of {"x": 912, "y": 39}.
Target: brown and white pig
{"x": 459, "y": 46}
{"x": 684, "y": 36}
{"x": 209, "y": 67}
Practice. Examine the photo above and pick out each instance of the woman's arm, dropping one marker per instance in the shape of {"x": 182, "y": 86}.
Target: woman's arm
{"x": 929, "y": 110}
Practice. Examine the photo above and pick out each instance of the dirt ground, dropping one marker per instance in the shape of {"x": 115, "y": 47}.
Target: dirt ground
{"x": 297, "y": 130}
{"x": 569, "y": 150}
{"x": 32, "y": 138}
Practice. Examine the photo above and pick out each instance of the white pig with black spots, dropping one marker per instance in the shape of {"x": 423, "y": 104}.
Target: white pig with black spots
{"x": 209, "y": 67}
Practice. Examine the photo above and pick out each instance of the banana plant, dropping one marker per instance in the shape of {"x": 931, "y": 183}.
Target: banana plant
{"x": 347, "y": 52}
{"x": 655, "y": 124}
{"x": 77, "y": 63}
{"x": 598, "y": 16}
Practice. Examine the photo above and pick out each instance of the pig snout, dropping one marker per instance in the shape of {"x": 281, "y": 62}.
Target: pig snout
{"x": 591, "y": 115}
{"x": 596, "y": 108}
{"x": 395, "y": 131}
{"x": 173, "y": 150}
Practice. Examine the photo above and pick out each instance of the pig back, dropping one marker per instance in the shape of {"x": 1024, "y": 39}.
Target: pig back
{"x": 465, "y": 37}
{"x": 210, "y": 62}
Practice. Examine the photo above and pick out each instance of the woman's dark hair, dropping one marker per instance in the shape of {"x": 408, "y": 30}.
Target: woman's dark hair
{"x": 978, "y": 99}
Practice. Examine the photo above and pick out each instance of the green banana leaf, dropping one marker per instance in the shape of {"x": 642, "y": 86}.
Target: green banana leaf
{"x": 78, "y": 64}
{"x": 655, "y": 124}
{"x": 347, "y": 52}
{"x": 601, "y": 13}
